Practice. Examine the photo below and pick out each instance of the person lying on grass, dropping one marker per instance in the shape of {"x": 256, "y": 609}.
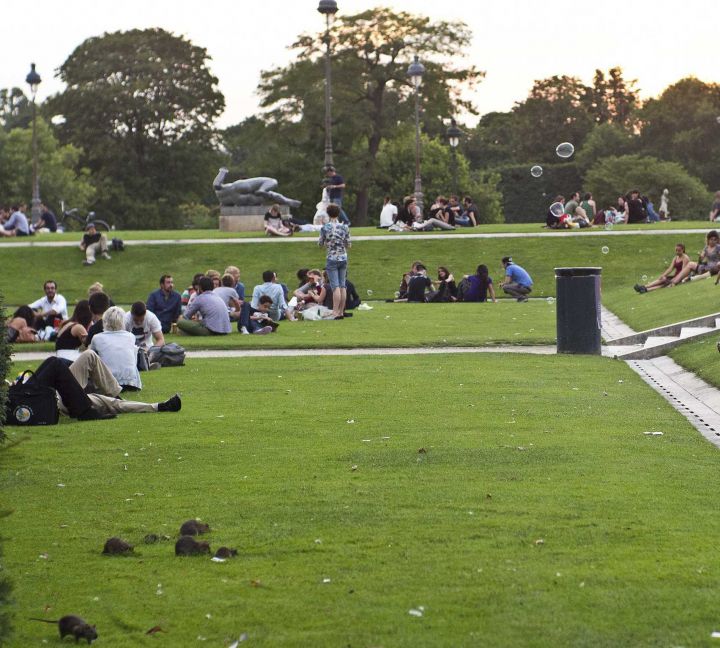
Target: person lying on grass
{"x": 673, "y": 270}
{"x": 708, "y": 263}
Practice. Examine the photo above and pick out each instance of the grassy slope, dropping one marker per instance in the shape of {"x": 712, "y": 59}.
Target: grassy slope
{"x": 518, "y": 449}
{"x": 700, "y": 357}
{"x": 378, "y": 265}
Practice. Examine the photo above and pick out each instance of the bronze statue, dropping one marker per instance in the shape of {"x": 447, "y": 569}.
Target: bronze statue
{"x": 249, "y": 191}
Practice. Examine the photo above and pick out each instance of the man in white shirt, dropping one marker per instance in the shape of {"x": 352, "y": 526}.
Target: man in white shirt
{"x": 52, "y": 305}
{"x": 144, "y": 325}
{"x": 388, "y": 213}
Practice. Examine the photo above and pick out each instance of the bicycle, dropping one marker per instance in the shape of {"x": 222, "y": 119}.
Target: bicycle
{"x": 74, "y": 215}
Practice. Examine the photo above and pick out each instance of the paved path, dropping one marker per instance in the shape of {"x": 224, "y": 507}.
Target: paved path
{"x": 612, "y": 326}
{"x": 380, "y": 237}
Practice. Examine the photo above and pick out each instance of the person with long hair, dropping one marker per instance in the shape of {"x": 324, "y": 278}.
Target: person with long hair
{"x": 72, "y": 333}
{"x": 445, "y": 287}
{"x": 707, "y": 264}
{"x": 480, "y": 285}
{"x": 673, "y": 270}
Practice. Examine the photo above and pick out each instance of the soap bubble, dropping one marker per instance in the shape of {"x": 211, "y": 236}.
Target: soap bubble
{"x": 557, "y": 209}
{"x": 369, "y": 292}
{"x": 608, "y": 225}
{"x": 550, "y": 300}
{"x": 565, "y": 150}
{"x": 717, "y": 119}
{"x": 644, "y": 278}
{"x": 605, "y": 249}
{"x": 536, "y": 171}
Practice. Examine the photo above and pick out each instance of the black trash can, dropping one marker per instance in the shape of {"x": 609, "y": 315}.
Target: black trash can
{"x": 578, "y": 310}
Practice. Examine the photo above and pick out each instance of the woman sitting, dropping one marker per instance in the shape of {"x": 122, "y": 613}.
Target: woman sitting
{"x": 21, "y": 327}
{"x": 445, "y": 287}
{"x": 673, "y": 270}
{"x": 478, "y": 286}
{"x": 116, "y": 348}
{"x": 274, "y": 225}
{"x": 73, "y": 332}
{"x": 708, "y": 263}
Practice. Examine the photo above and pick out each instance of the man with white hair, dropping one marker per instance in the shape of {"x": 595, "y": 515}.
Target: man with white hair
{"x": 116, "y": 347}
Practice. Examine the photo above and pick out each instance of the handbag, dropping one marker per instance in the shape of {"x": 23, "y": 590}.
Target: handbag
{"x": 31, "y": 404}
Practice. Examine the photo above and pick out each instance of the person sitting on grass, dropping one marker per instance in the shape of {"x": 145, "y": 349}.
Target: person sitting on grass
{"x": 99, "y": 302}
{"x": 212, "y": 309}
{"x": 312, "y": 291}
{"x": 274, "y": 290}
{"x": 229, "y": 295}
{"x": 92, "y": 243}
{"x": 707, "y": 264}
{"x": 234, "y": 272}
{"x": 145, "y": 326}
{"x": 477, "y": 287}
{"x": 673, "y": 270}
{"x": 257, "y": 320}
{"x": 445, "y": 287}
{"x": 116, "y": 348}
{"x": 418, "y": 284}
{"x": 274, "y": 225}
{"x": 190, "y": 292}
{"x": 21, "y": 327}
{"x": 72, "y": 333}
{"x": 17, "y": 224}
{"x": 517, "y": 282}
{"x": 165, "y": 303}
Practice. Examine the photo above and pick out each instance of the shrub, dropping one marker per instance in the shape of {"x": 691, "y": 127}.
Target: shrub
{"x": 197, "y": 216}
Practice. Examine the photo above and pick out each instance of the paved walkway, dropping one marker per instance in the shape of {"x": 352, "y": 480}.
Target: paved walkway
{"x": 381, "y": 237}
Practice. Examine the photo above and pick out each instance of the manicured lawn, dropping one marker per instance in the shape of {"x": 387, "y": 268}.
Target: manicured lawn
{"x": 512, "y": 501}
{"x": 701, "y": 357}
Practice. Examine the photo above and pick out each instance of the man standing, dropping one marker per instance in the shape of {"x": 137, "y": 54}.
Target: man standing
{"x": 92, "y": 243}
{"x": 335, "y": 237}
{"x": 52, "y": 305}
{"x": 215, "y": 318}
{"x": 165, "y": 303}
{"x": 517, "y": 282}
{"x": 336, "y": 188}
{"x": 274, "y": 290}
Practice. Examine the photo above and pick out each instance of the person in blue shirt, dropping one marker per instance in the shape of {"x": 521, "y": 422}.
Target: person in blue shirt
{"x": 17, "y": 224}
{"x": 165, "y": 303}
{"x": 517, "y": 282}
{"x": 336, "y": 189}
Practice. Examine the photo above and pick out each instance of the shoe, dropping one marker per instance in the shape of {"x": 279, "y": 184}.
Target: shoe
{"x": 86, "y": 262}
{"x": 522, "y": 299}
{"x": 171, "y": 404}
{"x": 264, "y": 330}
{"x": 636, "y": 288}
{"x": 105, "y": 255}
{"x": 244, "y": 331}
{"x": 154, "y": 366}
{"x": 642, "y": 290}
{"x": 347, "y": 314}
{"x": 94, "y": 415}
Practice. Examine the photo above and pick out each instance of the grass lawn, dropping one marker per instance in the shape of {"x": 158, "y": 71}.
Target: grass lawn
{"x": 700, "y": 357}
{"x": 538, "y": 513}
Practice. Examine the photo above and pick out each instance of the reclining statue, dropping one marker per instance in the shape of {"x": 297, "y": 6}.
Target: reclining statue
{"x": 249, "y": 191}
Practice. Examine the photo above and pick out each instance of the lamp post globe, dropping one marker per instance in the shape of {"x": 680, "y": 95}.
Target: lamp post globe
{"x": 328, "y": 8}
{"x": 415, "y": 73}
{"x": 33, "y": 80}
{"x": 453, "y": 134}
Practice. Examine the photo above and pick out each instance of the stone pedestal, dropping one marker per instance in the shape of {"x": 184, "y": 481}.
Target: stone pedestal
{"x": 246, "y": 218}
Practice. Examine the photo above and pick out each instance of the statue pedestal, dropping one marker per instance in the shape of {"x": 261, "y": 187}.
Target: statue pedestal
{"x": 246, "y": 218}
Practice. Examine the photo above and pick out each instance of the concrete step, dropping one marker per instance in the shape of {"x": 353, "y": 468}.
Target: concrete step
{"x": 658, "y": 340}
{"x": 692, "y": 331}
{"x": 708, "y": 322}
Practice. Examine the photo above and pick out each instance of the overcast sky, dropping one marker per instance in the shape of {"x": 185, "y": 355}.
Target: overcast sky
{"x": 515, "y": 41}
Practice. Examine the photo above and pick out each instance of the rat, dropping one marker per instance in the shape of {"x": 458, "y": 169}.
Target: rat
{"x": 193, "y": 527}
{"x": 187, "y": 546}
{"x": 117, "y": 546}
{"x": 75, "y": 626}
{"x": 225, "y": 552}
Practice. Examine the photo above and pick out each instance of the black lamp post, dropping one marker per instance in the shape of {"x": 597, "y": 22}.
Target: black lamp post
{"x": 329, "y": 9}
{"x": 415, "y": 73}
{"x": 33, "y": 80}
{"x": 453, "y": 134}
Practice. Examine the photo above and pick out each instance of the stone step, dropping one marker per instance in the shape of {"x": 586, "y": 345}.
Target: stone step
{"x": 658, "y": 340}
{"x": 692, "y": 331}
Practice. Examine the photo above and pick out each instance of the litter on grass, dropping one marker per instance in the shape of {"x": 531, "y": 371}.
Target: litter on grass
{"x": 216, "y": 559}
{"x": 415, "y": 612}
{"x": 653, "y": 433}
{"x": 715, "y": 635}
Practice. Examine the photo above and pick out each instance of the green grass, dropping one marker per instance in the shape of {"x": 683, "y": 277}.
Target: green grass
{"x": 539, "y": 515}
{"x": 700, "y": 357}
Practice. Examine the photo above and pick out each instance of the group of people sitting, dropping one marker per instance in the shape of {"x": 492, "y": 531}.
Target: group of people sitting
{"x": 416, "y": 286}
{"x": 682, "y": 269}
{"x": 582, "y": 212}
{"x": 14, "y": 221}
{"x": 444, "y": 214}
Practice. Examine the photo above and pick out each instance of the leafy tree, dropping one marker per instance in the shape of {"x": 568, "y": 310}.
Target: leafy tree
{"x": 611, "y": 177}
{"x": 142, "y": 104}
{"x": 15, "y": 109}
{"x": 59, "y": 177}
{"x": 371, "y": 93}
{"x": 612, "y": 99}
{"x": 605, "y": 140}
{"x": 492, "y": 142}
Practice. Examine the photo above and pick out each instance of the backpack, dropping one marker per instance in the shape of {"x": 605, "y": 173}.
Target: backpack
{"x": 168, "y": 355}
{"x": 117, "y": 245}
{"x": 31, "y": 404}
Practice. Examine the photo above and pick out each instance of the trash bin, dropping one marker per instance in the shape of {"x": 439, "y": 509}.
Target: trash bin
{"x": 578, "y": 310}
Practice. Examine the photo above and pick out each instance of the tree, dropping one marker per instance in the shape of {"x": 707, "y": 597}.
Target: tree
{"x": 142, "y": 104}
{"x": 612, "y": 99}
{"x": 60, "y": 178}
{"x": 605, "y": 140}
{"x": 371, "y": 94}
{"x": 611, "y": 177}
{"x": 15, "y": 109}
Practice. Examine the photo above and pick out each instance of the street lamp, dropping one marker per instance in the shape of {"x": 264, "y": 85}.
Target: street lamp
{"x": 33, "y": 80}
{"x": 329, "y": 9}
{"x": 415, "y": 74}
{"x": 453, "y": 134}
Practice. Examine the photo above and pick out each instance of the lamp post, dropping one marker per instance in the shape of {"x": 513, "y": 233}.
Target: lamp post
{"x": 329, "y": 9}
{"x": 33, "y": 80}
{"x": 415, "y": 73}
{"x": 453, "y": 135}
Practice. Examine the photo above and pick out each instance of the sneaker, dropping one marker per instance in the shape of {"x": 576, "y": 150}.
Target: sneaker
{"x": 636, "y": 288}
{"x": 105, "y": 255}
{"x": 264, "y": 330}
{"x": 171, "y": 404}
{"x": 642, "y": 290}
{"x": 244, "y": 331}
{"x": 86, "y": 262}
{"x": 154, "y": 366}
{"x": 522, "y": 298}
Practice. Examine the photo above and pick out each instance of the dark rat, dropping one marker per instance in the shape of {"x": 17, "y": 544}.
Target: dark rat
{"x": 225, "y": 552}
{"x": 193, "y": 527}
{"x": 75, "y": 626}
{"x": 188, "y": 546}
{"x": 117, "y": 546}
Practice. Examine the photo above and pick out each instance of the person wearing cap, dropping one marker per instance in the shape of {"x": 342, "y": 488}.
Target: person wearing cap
{"x": 336, "y": 188}
{"x": 517, "y": 282}
{"x": 92, "y": 243}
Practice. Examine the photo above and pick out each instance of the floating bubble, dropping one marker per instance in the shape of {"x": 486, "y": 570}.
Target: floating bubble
{"x": 369, "y": 292}
{"x": 536, "y": 171}
{"x": 565, "y": 150}
{"x": 644, "y": 278}
{"x": 608, "y": 225}
{"x": 605, "y": 249}
{"x": 717, "y": 119}
{"x": 557, "y": 209}
{"x": 550, "y": 300}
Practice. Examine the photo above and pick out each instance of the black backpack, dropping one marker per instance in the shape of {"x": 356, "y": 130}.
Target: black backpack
{"x": 117, "y": 245}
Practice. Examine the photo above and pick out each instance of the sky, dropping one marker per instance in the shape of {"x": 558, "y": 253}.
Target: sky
{"x": 515, "y": 42}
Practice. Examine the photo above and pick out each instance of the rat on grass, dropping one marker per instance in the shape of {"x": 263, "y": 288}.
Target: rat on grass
{"x": 117, "y": 547}
{"x": 188, "y": 546}
{"x": 75, "y": 626}
{"x": 193, "y": 527}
